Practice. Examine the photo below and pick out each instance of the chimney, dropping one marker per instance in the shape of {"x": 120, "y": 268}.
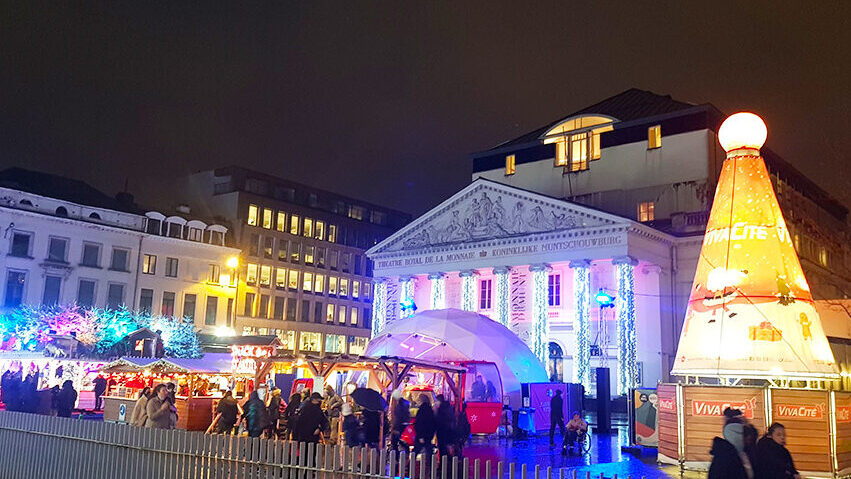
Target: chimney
{"x": 183, "y": 209}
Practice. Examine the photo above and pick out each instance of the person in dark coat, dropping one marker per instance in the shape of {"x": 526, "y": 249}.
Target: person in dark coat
{"x": 773, "y": 460}
{"x": 728, "y": 457}
{"x": 371, "y": 427}
{"x": 556, "y": 415}
{"x": 462, "y": 430}
{"x": 351, "y": 427}
{"x": 424, "y": 426}
{"x": 255, "y": 416}
{"x": 29, "y": 398}
{"x": 100, "y": 388}
{"x": 273, "y": 411}
{"x": 290, "y": 416}
{"x": 445, "y": 422}
{"x": 401, "y": 417}
{"x": 229, "y": 410}
{"x": 311, "y": 420}
{"x": 66, "y": 399}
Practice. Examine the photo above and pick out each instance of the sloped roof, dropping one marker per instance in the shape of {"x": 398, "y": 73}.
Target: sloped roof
{"x": 626, "y": 106}
{"x": 60, "y": 187}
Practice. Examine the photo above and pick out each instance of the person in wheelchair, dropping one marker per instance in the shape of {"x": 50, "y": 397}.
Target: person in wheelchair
{"x": 576, "y": 434}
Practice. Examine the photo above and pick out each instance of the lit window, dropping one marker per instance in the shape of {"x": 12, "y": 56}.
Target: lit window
{"x": 357, "y": 345}
{"x": 319, "y": 284}
{"x": 308, "y": 227}
{"x": 355, "y": 289}
{"x": 293, "y": 281}
{"x": 332, "y": 285}
{"x": 578, "y": 141}
{"x": 654, "y": 137}
{"x": 344, "y": 287}
{"x": 356, "y": 212}
{"x": 294, "y": 223}
{"x": 332, "y": 233}
{"x": 251, "y": 274}
{"x": 295, "y": 252}
{"x": 366, "y": 288}
{"x": 307, "y": 284}
{"x": 485, "y": 294}
{"x": 280, "y": 278}
{"x": 354, "y": 317}
{"x": 646, "y": 211}
{"x": 267, "y": 218}
{"x": 308, "y": 254}
{"x": 329, "y": 313}
{"x": 268, "y": 247}
{"x": 554, "y": 294}
{"x": 252, "y": 215}
{"x": 822, "y": 256}
{"x": 149, "y": 264}
{"x": 309, "y": 341}
{"x": 335, "y": 343}
{"x": 281, "y": 224}
{"x": 510, "y": 165}
{"x": 319, "y": 233}
{"x": 265, "y": 276}
{"x": 342, "y": 310}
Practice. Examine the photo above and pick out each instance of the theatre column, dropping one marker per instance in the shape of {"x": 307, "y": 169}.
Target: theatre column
{"x": 379, "y": 301}
{"x": 582, "y": 323}
{"x": 625, "y": 307}
{"x": 438, "y": 291}
{"x": 468, "y": 290}
{"x": 502, "y": 294}
{"x": 406, "y": 297}
{"x": 540, "y": 318}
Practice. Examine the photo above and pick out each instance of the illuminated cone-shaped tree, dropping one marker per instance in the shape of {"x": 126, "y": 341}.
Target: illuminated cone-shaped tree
{"x": 750, "y": 311}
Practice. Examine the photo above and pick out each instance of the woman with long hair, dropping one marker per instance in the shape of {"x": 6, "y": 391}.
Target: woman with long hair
{"x": 140, "y": 412}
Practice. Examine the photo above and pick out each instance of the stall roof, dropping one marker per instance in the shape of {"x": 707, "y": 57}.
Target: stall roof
{"x": 344, "y": 360}
{"x": 210, "y": 363}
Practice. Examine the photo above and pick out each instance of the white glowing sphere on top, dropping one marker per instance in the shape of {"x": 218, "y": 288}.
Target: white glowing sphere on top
{"x": 742, "y": 130}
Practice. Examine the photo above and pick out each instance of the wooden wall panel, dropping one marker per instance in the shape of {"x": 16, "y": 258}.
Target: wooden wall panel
{"x": 806, "y": 416}
{"x": 668, "y": 439}
{"x": 704, "y": 419}
{"x": 843, "y": 429}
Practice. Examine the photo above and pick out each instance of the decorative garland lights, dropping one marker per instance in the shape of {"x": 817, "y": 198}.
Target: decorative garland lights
{"x": 406, "y": 298}
{"x": 502, "y": 297}
{"x": 438, "y": 291}
{"x": 625, "y": 306}
{"x": 540, "y": 319}
{"x": 379, "y": 314}
{"x": 468, "y": 290}
{"x": 581, "y": 324}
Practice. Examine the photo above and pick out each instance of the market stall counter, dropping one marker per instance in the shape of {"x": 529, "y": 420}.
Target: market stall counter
{"x": 200, "y": 383}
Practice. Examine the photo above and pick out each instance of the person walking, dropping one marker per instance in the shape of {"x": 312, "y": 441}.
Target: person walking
{"x": 351, "y": 427}
{"x": 728, "y": 457}
{"x": 159, "y": 409}
{"x": 66, "y": 399}
{"x": 445, "y": 422}
{"x": 400, "y": 418}
{"x": 228, "y": 412}
{"x": 255, "y": 416}
{"x": 424, "y": 427}
{"x": 291, "y": 415}
{"x": 333, "y": 404}
{"x": 773, "y": 460}
{"x": 273, "y": 412}
{"x": 311, "y": 420}
{"x": 100, "y": 388}
{"x": 140, "y": 409}
{"x": 556, "y": 415}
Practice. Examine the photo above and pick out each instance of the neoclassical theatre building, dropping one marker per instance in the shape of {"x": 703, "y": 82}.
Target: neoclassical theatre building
{"x": 582, "y": 237}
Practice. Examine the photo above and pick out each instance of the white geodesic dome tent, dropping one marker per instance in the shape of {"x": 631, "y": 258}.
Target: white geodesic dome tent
{"x": 456, "y": 335}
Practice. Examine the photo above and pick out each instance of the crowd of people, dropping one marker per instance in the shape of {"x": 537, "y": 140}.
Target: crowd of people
{"x": 155, "y": 408}
{"x": 20, "y": 393}
{"x": 740, "y": 454}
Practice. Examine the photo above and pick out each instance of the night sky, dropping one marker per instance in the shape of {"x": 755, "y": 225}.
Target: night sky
{"x": 385, "y": 100}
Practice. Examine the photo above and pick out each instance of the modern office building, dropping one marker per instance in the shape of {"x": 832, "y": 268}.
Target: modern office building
{"x": 67, "y": 242}
{"x": 596, "y": 218}
{"x": 303, "y": 274}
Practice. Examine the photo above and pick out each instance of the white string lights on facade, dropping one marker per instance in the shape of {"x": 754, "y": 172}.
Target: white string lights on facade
{"x": 379, "y": 313}
{"x": 540, "y": 318}
{"x": 406, "y": 298}
{"x": 581, "y": 324}
{"x": 625, "y": 306}
{"x": 502, "y": 297}
{"x": 468, "y": 290}
{"x": 438, "y": 291}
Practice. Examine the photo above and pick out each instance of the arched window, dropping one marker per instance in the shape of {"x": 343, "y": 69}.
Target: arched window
{"x": 578, "y": 140}
{"x": 556, "y": 363}
{"x": 61, "y": 211}
{"x": 94, "y": 216}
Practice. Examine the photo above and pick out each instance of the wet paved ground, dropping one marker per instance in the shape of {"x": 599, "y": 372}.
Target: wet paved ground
{"x": 604, "y": 457}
